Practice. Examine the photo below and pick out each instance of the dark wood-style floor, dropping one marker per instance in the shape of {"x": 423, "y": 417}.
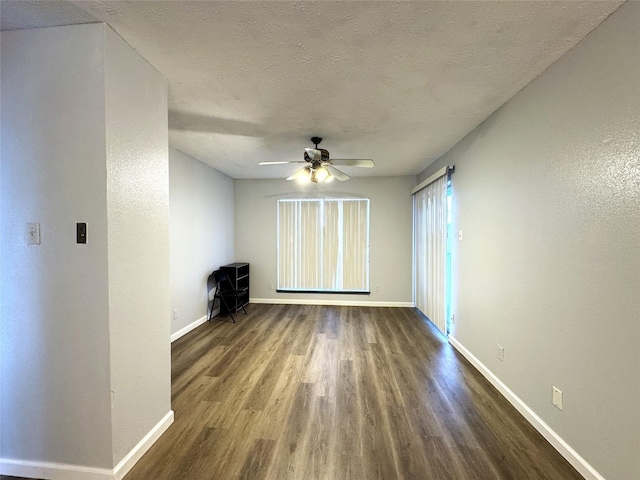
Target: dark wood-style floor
{"x": 306, "y": 392}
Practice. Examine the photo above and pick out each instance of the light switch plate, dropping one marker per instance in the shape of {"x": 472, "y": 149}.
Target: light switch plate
{"x": 557, "y": 398}
{"x": 81, "y": 233}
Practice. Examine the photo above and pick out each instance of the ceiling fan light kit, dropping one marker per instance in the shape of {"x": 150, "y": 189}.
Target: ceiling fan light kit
{"x": 320, "y": 166}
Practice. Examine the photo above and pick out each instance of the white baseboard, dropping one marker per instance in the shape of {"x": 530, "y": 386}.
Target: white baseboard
{"x": 141, "y": 448}
{"x": 64, "y": 471}
{"x": 52, "y": 471}
{"x": 344, "y": 303}
{"x": 579, "y": 463}
{"x": 188, "y": 328}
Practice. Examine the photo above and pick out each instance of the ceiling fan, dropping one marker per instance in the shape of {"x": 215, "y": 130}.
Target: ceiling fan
{"x": 320, "y": 167}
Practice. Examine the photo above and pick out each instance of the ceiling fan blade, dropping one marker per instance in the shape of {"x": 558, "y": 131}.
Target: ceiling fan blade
{"x": 278, "y": 163}
{"x": 353, "y": 162}
{"x": 314, "y": 155}
{"x": 302, "y": 171}
{"x": 337, "y": 173}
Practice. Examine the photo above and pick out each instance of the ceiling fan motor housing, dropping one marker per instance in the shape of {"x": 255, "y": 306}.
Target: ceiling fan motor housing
{"x": 325, "y": 155}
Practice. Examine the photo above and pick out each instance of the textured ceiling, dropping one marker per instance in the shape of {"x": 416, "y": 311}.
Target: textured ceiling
{"x": 398, "y": 82}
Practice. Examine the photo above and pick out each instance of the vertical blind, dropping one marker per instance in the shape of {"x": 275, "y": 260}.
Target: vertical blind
{"x": 323, "y": 245}
{"x": 430, "y": 251}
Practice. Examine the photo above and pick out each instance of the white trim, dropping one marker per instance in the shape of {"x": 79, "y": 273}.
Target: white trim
{"x": 188, "y": 328}
{"x": 345, "y": 303}
{"x": 52, "y": 471}
{"x": 141, "y": 448}
{"x": 443, "y": 171}
{"x": 579, "y": 463}
{"x": 65, "y": 471}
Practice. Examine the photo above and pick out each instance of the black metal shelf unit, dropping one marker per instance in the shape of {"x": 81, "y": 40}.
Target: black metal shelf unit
{"x": 238, "y": 274}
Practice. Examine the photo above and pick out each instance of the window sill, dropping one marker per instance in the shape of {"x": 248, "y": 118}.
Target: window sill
{"x": 333, "y": 292}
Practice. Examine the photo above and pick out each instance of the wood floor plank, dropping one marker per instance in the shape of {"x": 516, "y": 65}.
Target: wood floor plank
{"x": 408, "y": 451}
{"x": 290, "y": 446}
{"x": 302, "y": 335}
{"x": 314, "y": 360}
{"x": 377, "y": 450}
{"x": 278, "y": 407}
{"x": 383, "y": 377}
{"x": 348, "y": 441}
{"x": 258, "y": 460}
{"x": 299, "y": 392}
{"x": 258, "y": 396}
{"x": 315, "y": 464}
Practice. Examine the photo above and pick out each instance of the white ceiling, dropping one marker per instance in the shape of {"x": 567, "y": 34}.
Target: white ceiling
{"x": 398, "y": 82}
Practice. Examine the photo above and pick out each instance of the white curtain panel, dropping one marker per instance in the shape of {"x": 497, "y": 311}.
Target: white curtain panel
{"x": 298, "y": 220}
{"x": 355, "y": 240}
{"x": 323, "y": 245}
{"x": 430, "y": 251}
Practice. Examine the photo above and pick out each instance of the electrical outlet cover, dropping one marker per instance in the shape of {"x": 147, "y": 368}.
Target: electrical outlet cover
{"x": 33, "y": 234}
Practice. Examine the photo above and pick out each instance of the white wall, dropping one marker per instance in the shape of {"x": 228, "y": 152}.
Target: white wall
{"x": 138, "y": 244}
{"x": 54, "y": 331}
{"x": 546, "y": 192}
{"x": 84, "y": 139}
{"x": 390, "y": 234}
{"x": 201, "y": 233}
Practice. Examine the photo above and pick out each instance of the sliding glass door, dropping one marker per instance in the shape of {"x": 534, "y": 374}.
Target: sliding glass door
{"x": 430, "y": 229}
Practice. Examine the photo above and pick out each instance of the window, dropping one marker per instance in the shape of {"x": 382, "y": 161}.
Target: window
{"x": 323, "y": 245}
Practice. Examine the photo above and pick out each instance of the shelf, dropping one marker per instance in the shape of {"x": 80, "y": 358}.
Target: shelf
{"x": 238, "y": 274}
